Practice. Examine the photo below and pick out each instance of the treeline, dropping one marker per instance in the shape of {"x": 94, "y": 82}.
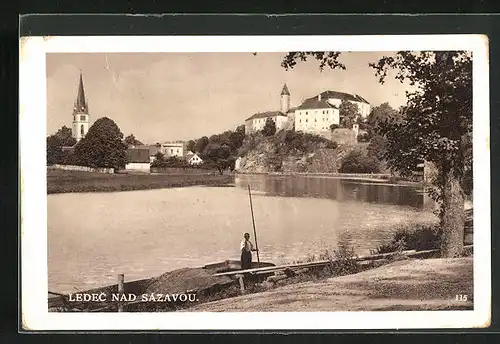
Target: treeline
{"x": 102, "y": 146}
{"x": 218, "y": 151}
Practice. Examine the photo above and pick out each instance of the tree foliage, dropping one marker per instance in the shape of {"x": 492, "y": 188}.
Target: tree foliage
{"x": 379, "y": 114}
{"x": 348, "y": 113}
{"x": 325, "y": 58}
{"x": 435, "y": 123}
{"x": 269, "y": 127}
{"x": 191, "y": 146}
{"x": 200, "y": 145}
{"x": 55, "y": 143}
{"x": 357, "y": 161}
{"x": 219, "y": 155}
{"x": 132, "y": 141}
{"x": 103, "y": 146}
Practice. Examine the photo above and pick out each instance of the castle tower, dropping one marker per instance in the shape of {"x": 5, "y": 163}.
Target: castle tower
{"x": 285, "y": 99}
{"x": 80, "y": 113}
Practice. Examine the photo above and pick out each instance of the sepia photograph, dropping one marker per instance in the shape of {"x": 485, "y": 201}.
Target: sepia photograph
{"x": 295, "y": 180}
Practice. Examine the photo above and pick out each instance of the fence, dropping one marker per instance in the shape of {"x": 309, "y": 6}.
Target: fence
{"x": 81, "y": 168}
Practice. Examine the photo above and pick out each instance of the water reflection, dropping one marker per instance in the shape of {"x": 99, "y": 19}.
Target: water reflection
{"x": 334, "y": 188}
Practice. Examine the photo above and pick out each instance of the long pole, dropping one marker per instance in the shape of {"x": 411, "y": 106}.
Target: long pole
{"x": 254, "y": 231}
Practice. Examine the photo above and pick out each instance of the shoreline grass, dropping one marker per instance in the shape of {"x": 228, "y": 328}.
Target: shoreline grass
{"x": 59, "y": 181}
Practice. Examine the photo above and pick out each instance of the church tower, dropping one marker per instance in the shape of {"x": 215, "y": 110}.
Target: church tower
{"x": 80, "y": 113}
{"x": 285, "y": 99}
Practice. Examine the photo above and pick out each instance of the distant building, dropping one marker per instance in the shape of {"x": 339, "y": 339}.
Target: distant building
{"x": 153, "y": 150}
{"x": 314, "y": 115}
{"x": 281, "y": 118}
{"x": 170, "y": 149}
{"x": 193, "y": 159}
{"x": 138, "y": 159}
{"x": 81, "y": 116}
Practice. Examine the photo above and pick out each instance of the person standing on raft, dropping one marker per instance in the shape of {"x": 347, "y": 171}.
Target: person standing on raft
{"x": 246, "y": 252}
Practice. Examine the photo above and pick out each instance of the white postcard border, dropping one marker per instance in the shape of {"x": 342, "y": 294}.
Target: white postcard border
{"x": 33, "y": 95}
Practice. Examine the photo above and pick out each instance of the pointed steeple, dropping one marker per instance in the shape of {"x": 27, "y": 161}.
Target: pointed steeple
{"x": 81, "y": 105}
{"x": 285, "y": 91}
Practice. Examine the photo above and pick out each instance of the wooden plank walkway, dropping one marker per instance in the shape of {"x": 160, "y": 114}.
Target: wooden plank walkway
{"x": 271, "y": 269}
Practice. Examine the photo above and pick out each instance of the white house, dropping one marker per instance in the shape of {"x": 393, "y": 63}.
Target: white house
{"x": 138, "y": 159}
{"x": 193, "y": 158}
{"x": 170, "y": 149}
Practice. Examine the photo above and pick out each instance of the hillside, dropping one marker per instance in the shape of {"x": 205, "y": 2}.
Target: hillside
{"x": 289, "y": 151}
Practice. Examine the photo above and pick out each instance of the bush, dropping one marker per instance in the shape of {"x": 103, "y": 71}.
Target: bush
{"x": 334, "y": 126}
{"x": 358, "y": 162}
{"x": 364, "y": 137}
{"x": 421, "y": 237}
{"x": 331, "y": 145}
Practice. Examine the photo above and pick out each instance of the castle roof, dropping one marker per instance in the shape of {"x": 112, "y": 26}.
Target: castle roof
{"x": 81, "y": 105}
{"x": 315, "y": 103}
{"x": 285, "y": 91}
{"x": 342, "y": 96}
{"x": 266, "y": 114}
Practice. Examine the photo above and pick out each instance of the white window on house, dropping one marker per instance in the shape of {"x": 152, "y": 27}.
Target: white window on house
{"x": 82, "y": 118}
{"x": 306, "y": 112}
{"x": 171, "y": 151}
{"x": 306, "y": 119}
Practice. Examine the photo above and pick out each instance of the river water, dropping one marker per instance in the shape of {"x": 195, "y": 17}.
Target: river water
{"x": 94, "y": 236}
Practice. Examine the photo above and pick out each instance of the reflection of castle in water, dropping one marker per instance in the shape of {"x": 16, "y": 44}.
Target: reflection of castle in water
{"x": 338, "y": 189}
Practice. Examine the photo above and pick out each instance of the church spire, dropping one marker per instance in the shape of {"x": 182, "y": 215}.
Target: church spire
{"x": 81, "y": 105}
{"x": 284, "y": 91}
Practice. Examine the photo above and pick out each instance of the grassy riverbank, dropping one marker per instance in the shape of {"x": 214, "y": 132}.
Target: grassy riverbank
{"x": 59, "y": 181}
{"x": 408, "y": 285}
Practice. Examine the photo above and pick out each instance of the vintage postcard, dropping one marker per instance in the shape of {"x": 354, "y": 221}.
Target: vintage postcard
{"x": 244, "y": 182}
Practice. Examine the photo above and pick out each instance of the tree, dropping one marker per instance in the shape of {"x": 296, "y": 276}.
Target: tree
{"x": 269, "y": 127}
{"x": 65, "y": 136}
{"x": 236, "y": 138}
{"x": 436, "y": 121}
{"x": 55, "y": 143}
{"x": 218, "y": 155}
{"x": 132, "y": 141}
{"x": 103, "y": 146}
{"x": 326, "y": 58}
{"x": 348, "y": 113}
{"x": 190, "y": 146}
{"x": 379, "y": 114}
{"x": 200, "y": 145}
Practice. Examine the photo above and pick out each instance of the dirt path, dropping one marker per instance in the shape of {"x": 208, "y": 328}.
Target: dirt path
{"x": 430, "y": 284}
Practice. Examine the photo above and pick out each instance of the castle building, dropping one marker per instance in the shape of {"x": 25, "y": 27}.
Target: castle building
{"x": 81, "y": 116}
{"x": 315, "y": 115}
{"x": 281, "y": 118}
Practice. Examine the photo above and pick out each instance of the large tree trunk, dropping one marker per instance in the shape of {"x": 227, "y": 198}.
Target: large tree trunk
{"x": 453, "y": 217}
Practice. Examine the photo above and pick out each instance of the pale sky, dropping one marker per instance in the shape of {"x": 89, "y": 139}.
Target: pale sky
{"x": 179, "y": 96}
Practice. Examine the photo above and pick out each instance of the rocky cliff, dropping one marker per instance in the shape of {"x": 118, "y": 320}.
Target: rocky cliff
{"x": 291, "y": 152}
